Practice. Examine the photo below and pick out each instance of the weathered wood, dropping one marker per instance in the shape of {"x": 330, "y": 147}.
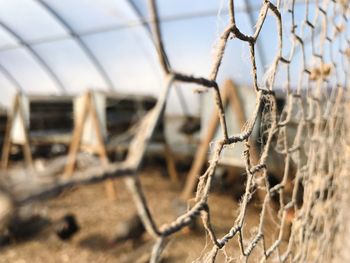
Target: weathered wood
{"x": 50, "y": 137}
{"x": 109, "y": 184}
{"x": 171, "y": 166}
{"x": 202, "y": 152}
{"x": 3, "y": 127}
{"x": 7, "y": 139}
{"x": 229, "y": 96}
{"x": 238, "y": 108}
{"x": 74, "y": 146}
{"x": 26, "y": 146}
{"x": 16, "y": 109}
{"x": 50, "y": 98}
{"x": 89, "y": 108}
{"x": 6, "y": 209}
{"x": 94, "y": 174}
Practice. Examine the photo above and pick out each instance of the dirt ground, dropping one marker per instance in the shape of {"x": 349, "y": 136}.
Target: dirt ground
{"x": 98, "y": 217}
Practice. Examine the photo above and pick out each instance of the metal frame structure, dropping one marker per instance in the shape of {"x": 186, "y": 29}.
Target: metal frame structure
{"x": 10, "y": 78}
{"x": 251, "y": 17}
{"x": 88, "y": 52}
{"x": 36, "y": 56}
{"x": 147, "y": 28}
{"x": 77, "y": 36}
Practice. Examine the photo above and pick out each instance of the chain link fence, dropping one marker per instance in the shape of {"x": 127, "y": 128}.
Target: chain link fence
{"x": 309, "y": 203}
{"x": 311, "y": 133}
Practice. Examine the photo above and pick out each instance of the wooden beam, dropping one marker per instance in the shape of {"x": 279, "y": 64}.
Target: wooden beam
{"x": 26, "y": 146}
{"x": 101, "y": 147}
{"x": 16, "y": 109}
{"x": 229, "y": 96}
{"x": 75, "y": 143}
{"x": 170, "y": 163}
{"x": 7, "y": 140}
{"x": 89, "y": 108}
{"x": 202, "y": 152}
{"x": 238, "y": 109}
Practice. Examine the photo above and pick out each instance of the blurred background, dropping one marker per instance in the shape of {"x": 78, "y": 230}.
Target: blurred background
{"x": 78, "y": 78}
{"x": 66, "y": 47}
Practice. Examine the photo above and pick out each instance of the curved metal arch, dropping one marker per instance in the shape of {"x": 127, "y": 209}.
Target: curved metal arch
{"x": 251, "y": 17}
{"x": 11, "y": 78}
{"x": 88, "y": 52}
{"x": 35, "y": 55}
{"x": 148, "y": 30}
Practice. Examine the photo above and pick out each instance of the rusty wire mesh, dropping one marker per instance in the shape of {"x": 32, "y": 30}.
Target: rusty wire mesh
{"x": 310, "y": 133}
{"x": 315, "y": 153}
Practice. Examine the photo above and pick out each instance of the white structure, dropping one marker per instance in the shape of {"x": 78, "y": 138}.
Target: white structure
{"x": 65, "y": 47}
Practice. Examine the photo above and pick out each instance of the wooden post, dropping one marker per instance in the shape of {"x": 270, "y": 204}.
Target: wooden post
{"x": 16, "y": 109}
{"x": 7, "y": 139}
{"x": 229, "y": 95}
{"x": 238, "y": 109}
{"x": 109, "y": 184}
{"x": 75, "y": 143}
{"x": 26, "y": 146}
{"x": 202, "y": 151}
{"x": 89, "y": 108}
{"x": 170, "y": 163}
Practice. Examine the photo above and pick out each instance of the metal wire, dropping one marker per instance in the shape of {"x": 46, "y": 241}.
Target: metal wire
{"x": 309, "y": 203}
{"x": 314, "y": 165}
